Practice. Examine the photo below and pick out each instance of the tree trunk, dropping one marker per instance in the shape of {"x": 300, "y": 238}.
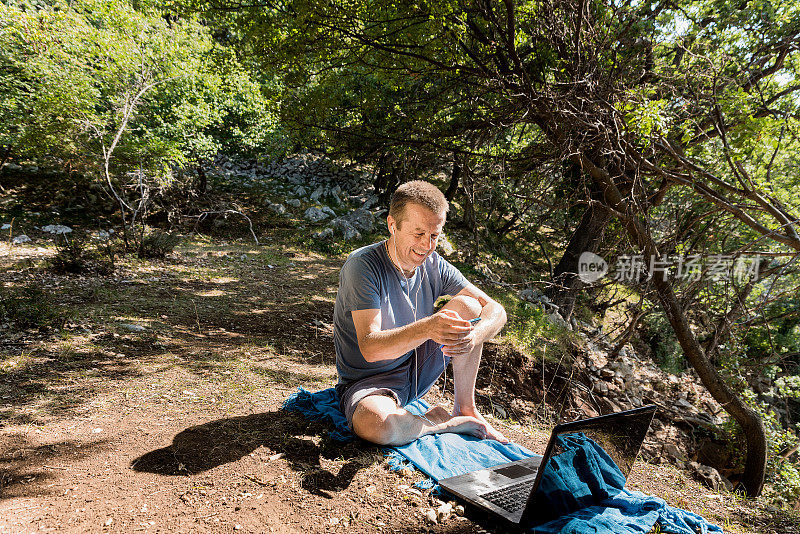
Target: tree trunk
{"x": 454, "y": 178}
{"x": 747, "y": 418}
{"x": 202, "y": 180}
{"x": 5, "y": 158}
{"x": 470, "y": 220}
{"x": 586, "y": 238}
{"x": 386, "y": 180}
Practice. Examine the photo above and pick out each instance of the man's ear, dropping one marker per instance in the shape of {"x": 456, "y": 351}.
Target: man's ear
{"x": 391, "y": 223}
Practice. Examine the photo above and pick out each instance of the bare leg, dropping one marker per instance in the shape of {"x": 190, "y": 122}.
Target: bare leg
{"x": 378, "y": 419}
{"x": 465, "y": 370}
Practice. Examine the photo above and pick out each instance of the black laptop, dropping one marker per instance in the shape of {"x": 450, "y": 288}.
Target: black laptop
{"x": 585, "y": 462}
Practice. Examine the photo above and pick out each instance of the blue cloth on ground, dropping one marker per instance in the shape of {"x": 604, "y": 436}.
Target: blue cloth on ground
{"x": 584, "y": 471}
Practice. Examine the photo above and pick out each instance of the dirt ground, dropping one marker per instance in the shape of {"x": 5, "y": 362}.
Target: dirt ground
{"x": 157, "y": 408}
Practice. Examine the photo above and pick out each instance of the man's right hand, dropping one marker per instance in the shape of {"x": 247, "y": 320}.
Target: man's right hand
{"x": 446, "y": 327}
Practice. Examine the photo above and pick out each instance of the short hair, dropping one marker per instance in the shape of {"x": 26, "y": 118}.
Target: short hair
{"x": 417, "y": 192}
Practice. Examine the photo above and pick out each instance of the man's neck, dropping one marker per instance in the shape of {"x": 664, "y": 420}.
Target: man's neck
{"x": 391, "y": 250}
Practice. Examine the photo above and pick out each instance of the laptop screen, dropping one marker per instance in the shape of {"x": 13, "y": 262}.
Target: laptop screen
{"x": 589, "y": 461}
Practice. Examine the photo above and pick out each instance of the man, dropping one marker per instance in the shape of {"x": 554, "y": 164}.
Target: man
{"x": 390, "y": 346}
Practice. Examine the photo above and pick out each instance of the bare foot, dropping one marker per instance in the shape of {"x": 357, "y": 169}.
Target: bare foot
{"x": 466, "y": 424}
{"x": 491, "y": 432}
{"x": 438, "y": 415}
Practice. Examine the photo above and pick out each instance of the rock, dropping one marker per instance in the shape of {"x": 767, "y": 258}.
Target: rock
{"x": 606, "y": 372}
{"x": 556, "y": 318}
{"x": 683, "y": 405}
{"x": 711, "y": 477}
{"x": 370, "y": 201}
{"x": 132, "y": 327}
{"x": 318, "y": 193}
{"x": 5, "y": 226}
{"x": 348, "y": 231}
{"x": 56, "y": 229}
{"x": 294, "y": 202}
{"x": 702, "y": 419}
{"x": 444, "y": 511}
{"x": 13, "y": 167}
{"x": 601, "y": 388}
{"x": 531, "y": 295}
{"x": 21, "y": 239}
{"x": 430, "y": 516}
{"x": 672, "y": 450}
{"x": 280, "y": 209}
{"x": 315, "y": 214}
{"x": 608, "y": 405}
{"x": 327, "y": 233}
{"x": 362, "y": 220}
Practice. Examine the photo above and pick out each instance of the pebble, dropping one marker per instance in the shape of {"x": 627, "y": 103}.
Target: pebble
{"x": 430, "y": 516}
{"x": 444, "y": 511}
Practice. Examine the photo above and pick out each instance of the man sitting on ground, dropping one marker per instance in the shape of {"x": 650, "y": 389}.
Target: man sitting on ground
{"x": 390, "y": 345}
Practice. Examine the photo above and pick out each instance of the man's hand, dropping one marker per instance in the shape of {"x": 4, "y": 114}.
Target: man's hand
{"x": 461, "y": 347}
{"x": 447, "y": 328}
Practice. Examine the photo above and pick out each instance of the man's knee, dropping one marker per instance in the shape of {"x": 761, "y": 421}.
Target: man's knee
{"x": 373, "y": 419}
{"x": 467, "y": 307}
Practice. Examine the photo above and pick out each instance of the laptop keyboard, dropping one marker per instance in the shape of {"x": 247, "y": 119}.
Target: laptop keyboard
{"x": 512, "y": 498}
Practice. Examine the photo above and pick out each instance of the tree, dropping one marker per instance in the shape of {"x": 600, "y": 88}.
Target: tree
{"x": 126, "y": 95}
{"x": 633, "y": 96}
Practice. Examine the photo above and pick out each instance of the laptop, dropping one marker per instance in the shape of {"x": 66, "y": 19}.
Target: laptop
{"x": 585, "y": 462}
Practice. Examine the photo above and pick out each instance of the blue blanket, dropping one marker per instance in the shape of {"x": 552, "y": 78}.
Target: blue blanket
{"x": 591, "y": 474}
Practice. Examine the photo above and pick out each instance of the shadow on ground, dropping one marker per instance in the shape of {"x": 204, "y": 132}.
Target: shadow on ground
{"x": 303, "y": 445}
{"x": 26, "y": 467}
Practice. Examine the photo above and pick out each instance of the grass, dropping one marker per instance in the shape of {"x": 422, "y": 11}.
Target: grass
{"x": 532, "y": 331}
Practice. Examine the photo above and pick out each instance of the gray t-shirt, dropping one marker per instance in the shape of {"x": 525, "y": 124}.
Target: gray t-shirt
{"x": 368, "y": 280}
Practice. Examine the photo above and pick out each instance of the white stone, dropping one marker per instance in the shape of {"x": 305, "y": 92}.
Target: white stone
{"x": 56, "y": 229}
{"x": 132, "y": 327}
{"x": 444, "y": 511}
{"x": 280, "y": 209}
{"x": 5, "y": 226}
{"x": 430, "y": 516}
{"x": 21, "y": 239}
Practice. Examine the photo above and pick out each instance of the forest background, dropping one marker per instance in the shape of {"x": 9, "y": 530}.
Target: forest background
{"x": 660, "y": 131}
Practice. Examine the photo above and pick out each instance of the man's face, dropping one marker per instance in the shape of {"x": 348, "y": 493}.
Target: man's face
{"x": 416, "y": 236}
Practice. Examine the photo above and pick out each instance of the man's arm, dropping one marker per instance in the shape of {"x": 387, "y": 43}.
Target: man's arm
{"x": 445, "y": 327}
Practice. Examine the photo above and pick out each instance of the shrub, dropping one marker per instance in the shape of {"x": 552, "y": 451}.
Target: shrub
{"x": 76, "y": 257}
{"x": 157, "y": 244}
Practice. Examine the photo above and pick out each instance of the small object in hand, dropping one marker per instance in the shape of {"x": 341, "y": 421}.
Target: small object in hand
{"x": 475, "y": 320}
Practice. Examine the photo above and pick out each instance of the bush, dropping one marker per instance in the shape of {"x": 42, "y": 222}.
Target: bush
{"x": 157, "y": 244}
{"x": 75, "y": 257}
{"x": 29, "y": 307}
{"x": 666, "y": 350}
